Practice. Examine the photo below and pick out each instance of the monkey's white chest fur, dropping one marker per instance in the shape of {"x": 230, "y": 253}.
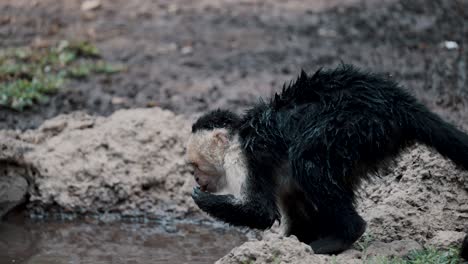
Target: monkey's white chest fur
{"x": 236, "y": 170}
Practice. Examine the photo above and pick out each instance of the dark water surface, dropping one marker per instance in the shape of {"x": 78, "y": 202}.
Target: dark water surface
{"x": 86, "y": 242}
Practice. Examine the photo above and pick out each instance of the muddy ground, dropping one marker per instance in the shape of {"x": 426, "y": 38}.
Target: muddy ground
{"x": 190, "y": 56}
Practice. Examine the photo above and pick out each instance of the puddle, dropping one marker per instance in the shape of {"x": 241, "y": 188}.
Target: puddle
{"x": 81, "y": 242}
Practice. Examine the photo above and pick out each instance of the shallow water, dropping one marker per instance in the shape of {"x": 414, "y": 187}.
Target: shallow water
{"x": 86, "y": 242}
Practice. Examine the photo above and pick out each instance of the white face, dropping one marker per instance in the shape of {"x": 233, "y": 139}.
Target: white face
{"x": 205, "y": 153}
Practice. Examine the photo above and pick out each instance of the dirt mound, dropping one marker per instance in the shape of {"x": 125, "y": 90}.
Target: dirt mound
{"x": 422, "y": 195}
{"x": 130, "y": 163}
{"x": 271, "y": 250}
{"x": 276, "y": 249}
{"x": 423, "y": 200}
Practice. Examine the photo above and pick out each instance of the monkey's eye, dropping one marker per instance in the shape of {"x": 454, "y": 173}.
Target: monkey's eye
{"x": 194, "y": 165}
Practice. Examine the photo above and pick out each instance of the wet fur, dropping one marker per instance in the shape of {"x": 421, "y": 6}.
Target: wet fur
{"x": 309, "y": 148}
{"x": 236, "y": 170}
{"x": 464, "y": 249}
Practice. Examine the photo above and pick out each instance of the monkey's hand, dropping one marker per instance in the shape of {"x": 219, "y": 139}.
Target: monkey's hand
{"x": 209, "y": 202}
{"x": 251, "y": 212}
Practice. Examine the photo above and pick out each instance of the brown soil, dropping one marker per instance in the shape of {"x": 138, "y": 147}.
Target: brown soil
{"x": 190, "y": 56}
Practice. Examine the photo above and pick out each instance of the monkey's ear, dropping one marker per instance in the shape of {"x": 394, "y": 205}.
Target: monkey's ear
{"x": 220, "y": 137}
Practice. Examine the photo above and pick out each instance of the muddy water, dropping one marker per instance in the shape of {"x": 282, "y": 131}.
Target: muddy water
{"x": 81, "y": 242}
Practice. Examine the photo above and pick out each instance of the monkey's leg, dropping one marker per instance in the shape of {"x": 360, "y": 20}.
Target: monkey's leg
{"x": 298, "y": 216}
{"x": 334, "y": 222}
{"x": 253, "y": 211}
{"x": 343, "y": 230}
{"x": 324, "y": 233}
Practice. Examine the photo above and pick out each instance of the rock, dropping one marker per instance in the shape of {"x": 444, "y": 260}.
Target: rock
{"x": 12, "y": 149}
{"x": 89, "y": 5}
{"x": 447, "y": 239}
{"x": 450, "y": 45}
{"x": 420, "y": 196}
{"x": 130, "y": 163}
{"x": 397, "y": 248}
{"x": 13, "y": 189}
{"x": 13, "y": 170}
{"x": 186, "y": 50}
{"x": 275, "y": 249}
{"x": 116, "y": 100}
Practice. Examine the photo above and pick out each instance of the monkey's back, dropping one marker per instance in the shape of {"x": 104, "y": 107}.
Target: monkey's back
{"x": 343, "y": 117}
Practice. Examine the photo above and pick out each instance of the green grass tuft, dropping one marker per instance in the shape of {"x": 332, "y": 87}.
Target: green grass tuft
{"x": 425, "y": 256}
{"x": 31, "y": 75}
{"x": 365, "y": 241}
{"x": 84, "y": 49}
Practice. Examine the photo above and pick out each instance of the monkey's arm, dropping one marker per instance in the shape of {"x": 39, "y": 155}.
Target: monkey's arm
{"x": 250, "y": 212}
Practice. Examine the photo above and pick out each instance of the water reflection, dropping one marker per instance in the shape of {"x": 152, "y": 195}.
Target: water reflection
{"x": 17, "y": 244}
{"x": 80, "y": 242}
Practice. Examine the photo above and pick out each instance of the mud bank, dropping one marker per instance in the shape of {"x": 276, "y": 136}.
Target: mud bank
{"x": 130, "y": 163}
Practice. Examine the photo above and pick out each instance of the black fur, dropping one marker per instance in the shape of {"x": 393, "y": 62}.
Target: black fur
{"x": 230, "y": 206}
{"x": 464, "y": 249}
{"x": 331, "y": 130}
{"x": 216, "y": 119}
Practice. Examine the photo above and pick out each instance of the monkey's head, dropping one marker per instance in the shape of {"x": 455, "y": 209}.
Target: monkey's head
{"x": 211, "y": 136}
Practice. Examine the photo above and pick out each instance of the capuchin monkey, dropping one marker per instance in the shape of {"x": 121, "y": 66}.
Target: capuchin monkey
{"x": 301, "y": 157}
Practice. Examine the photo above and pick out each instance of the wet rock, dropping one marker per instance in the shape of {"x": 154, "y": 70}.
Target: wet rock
{"x": 13, "y": 170}
{"x": 13, "y": 189}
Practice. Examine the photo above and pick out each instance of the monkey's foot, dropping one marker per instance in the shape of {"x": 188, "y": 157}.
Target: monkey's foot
{"x": 330, "y": 245}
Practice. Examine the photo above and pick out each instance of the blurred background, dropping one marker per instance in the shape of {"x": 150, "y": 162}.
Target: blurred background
{"x": 191, "y": 56}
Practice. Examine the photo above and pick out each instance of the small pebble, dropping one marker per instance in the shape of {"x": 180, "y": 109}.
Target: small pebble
{"x": 450, "y": 45}
{"x": 90, "y": 5}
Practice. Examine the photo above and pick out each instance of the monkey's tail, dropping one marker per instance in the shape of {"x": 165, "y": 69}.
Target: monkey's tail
{"x": 430, "y": 129}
